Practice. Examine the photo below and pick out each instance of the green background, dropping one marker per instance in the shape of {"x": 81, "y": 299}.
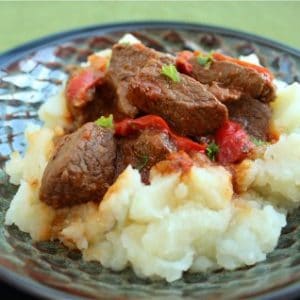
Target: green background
{"x": 26, "y": 20}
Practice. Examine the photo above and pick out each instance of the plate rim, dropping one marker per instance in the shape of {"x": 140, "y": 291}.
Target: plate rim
{"x": 14, "y": 53}
{"x": 33, "y": 287}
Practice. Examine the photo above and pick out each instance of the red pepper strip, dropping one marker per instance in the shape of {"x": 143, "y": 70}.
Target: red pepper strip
{"x": 221, "y": 57}
{"x": 129, "y": 126}
{"x": 80, "y": 84}
{"x": 182, "y": 62}
{"x": 234, "y": 143}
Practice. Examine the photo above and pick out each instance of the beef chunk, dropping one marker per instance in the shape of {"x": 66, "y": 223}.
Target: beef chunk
{"x": 224, "y": 94}
{"x": 253, "y": 115}
{"x": 143, "y": 151}
{"x": 125, "y": 62}
{"x": 81, "y": 169}
{"x": 187, "y": 105}
{"x": 241, "y": 80}
{"x": 90, "y": 95}
{"x": 103, "y": 104}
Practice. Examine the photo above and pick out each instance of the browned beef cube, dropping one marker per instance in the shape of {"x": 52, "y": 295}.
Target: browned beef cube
{"x": 253, "y": 115}
{"x": 187, "y": 105}
{"x": 125, "y": 63}
{"x": 102, "y": 104}
{"x": 241, "y": 80}
{"x": 81, "y": 169}
{"x": 143, "y": 151}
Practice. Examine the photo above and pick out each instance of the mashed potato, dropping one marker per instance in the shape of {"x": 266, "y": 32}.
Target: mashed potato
{"x": 286, "y": 109}
{"x": 181, "y": 222}
{"x": 26, "y": 210}
{"x": 194, "y": 224}
{"x": 251, "y": 58}
{"x": 276, "y": 175}
{"x": 54, "y": 111}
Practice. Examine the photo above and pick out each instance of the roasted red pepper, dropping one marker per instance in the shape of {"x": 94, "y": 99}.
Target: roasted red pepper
{"x": 129, "y": 126}
{"x": 80, "y": 87}
{"x": 182, "y": 62}
{"x": 233, "y": 142}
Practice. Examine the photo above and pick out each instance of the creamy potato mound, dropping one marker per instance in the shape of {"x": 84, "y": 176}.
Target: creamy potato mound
{"x": 286, "y": 108}
{"x": 276, "y": 175}
{"x": 26, "y": 210}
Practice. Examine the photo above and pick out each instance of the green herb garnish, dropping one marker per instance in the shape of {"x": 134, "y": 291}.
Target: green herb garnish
{"x": 258, "y": 142}
{"x": 205, "y": 60}
{"x": 105, "y": 122}
{"x": 143, "y": 160}
{"x": 107, "y": 64}
{"x": 171, "y": 72}
{"x": 212, "y": 150}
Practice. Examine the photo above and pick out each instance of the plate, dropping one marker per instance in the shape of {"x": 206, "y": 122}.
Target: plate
{"x": 30, "y": 74}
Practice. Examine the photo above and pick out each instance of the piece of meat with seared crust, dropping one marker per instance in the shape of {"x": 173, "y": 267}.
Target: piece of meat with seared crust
{"x": 223, "y": 94}
{"x": 103, "y": 104}
{"x": 237, "y": 80}
{"x": 88, "y": 96}
{"x": 186, "y": 105}
{"x": 143, "y": 151}
{"x": 81, "y": 168}
{"x": 253, "y": 115}
{"x": 126, "y": 61}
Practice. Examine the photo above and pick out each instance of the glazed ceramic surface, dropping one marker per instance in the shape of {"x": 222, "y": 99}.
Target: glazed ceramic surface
{"x": 33, "y": 72}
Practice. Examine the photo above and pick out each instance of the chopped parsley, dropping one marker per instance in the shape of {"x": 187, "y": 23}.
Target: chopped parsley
{"x": 143, "y": 160}
{"x": 107, "y": 64}
{"x": 258, "y": 142}
{"x": 171, "y": 72}
{"x": 205, "y": 59}
{"x": 105, "y": 122}
{"x": 212, "y": 150}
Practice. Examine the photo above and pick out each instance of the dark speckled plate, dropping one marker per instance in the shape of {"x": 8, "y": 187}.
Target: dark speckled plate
{"x": 29, "y": 75}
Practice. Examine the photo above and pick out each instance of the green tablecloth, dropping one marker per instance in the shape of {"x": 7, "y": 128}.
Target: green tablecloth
{"x": 23, "y": 21}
